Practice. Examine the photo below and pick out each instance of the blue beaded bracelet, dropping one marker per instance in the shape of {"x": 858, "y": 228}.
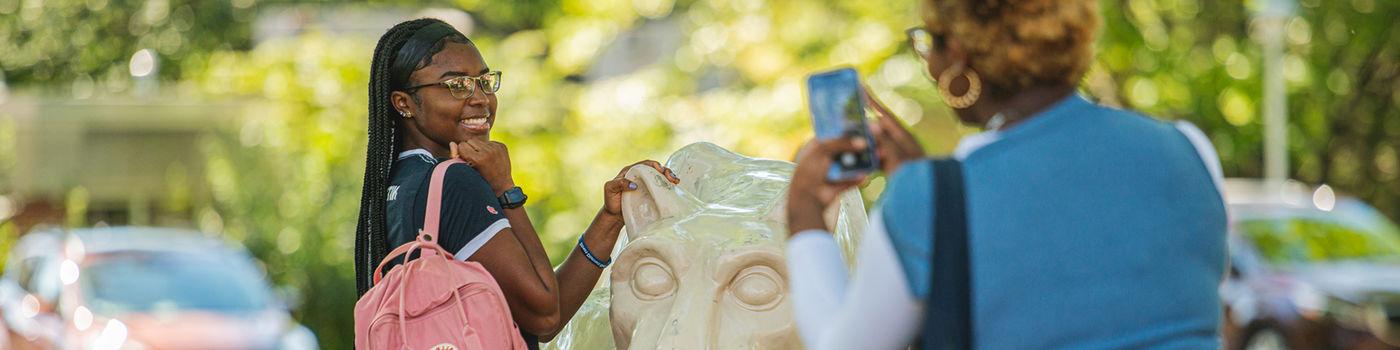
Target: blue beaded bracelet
{"x": 589, "y": 255}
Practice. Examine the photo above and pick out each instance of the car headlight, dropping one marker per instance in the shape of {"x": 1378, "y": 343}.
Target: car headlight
{"x": 298, "y": 338}
{"x": 112, "y": 336}
{"x": 1311, "y": 302}
{"x": 1314, "y": 304}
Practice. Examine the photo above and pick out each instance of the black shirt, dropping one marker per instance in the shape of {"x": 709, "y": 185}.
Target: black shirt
{"x": 470, "y": 213}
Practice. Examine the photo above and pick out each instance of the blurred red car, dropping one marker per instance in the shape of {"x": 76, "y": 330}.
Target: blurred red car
{"x": 1309, "y": 270}
{"x": 140, "y": 288}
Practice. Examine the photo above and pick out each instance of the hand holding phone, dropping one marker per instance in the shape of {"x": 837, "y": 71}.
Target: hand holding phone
{"x": 837, "y": 103}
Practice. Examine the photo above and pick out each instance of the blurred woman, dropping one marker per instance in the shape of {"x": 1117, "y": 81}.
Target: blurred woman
{"x": 1087, "y": 226}
{"x": 431, "y": 97}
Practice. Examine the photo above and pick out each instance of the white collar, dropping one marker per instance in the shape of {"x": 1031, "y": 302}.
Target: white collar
{"x": 971, "y": 143}
{"x": 418, "y": 151}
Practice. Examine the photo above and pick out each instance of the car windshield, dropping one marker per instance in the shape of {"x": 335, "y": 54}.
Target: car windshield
{"x": 143, "y": 282}
{"x": 1320, "y": 238}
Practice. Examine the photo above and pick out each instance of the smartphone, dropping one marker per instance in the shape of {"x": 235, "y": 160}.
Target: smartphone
{"x": 837, "y": 104}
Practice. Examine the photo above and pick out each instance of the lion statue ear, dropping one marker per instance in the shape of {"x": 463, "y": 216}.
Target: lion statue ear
{"x": 655, "y": 199}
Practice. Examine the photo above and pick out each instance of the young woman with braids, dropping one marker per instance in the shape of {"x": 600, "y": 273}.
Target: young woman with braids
{"x": 432, "y": 96}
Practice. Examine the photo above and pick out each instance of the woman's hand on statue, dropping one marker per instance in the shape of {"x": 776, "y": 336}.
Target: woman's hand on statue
{"x": 810, "y": 193}
{"x": 490, "y": 158}
{"x": 894, "y": 145}
{"x": 613, "y": 189}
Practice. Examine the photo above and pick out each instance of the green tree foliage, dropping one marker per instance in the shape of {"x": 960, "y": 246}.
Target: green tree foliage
{"x": 56, "y": 44}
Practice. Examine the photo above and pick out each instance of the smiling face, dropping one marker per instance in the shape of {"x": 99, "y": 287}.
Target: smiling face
{"x": 438, "y": 118}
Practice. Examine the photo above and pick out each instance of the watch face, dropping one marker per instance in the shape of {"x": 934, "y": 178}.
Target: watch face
{"x": 513, "y": 197}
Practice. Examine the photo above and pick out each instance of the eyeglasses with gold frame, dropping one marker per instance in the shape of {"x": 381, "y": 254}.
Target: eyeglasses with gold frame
{"x": 463, "y": 87}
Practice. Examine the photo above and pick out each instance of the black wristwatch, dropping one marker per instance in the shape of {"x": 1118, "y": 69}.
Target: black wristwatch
{"x": 512, "y": 198}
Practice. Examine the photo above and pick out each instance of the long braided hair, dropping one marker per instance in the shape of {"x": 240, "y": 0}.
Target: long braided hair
{"x": 399, "y": 52}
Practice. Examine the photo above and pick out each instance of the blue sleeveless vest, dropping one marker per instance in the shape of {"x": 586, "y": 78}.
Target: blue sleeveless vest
{"x": 1089, "y": 227}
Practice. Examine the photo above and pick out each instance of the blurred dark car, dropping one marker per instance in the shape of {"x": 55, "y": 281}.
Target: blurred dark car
{"x": 140, "y": 288}
{"x": 1309, "y": 270}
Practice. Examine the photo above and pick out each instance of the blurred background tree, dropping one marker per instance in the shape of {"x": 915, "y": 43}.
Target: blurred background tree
{"x": 55, "y": 44}
{"x": 286, "y": 182}
{"x": 1199, "y": 61}
{"x": 593, "y": 85}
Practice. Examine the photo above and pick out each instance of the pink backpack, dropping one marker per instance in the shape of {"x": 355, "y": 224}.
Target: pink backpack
{"x": 434, "y": 302}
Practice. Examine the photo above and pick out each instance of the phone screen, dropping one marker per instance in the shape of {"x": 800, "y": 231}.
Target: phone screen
{"x": 838, "y": 110}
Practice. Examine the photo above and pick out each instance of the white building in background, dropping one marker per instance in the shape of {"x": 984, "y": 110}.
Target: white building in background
{"x": 124, "y": 157}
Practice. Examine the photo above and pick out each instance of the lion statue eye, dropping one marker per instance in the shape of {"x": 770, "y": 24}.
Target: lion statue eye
{"x": 757, "y": 288}
{"x": 652, "y": 279}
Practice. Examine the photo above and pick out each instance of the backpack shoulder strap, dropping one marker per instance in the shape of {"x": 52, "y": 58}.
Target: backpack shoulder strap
{"x": 432, "y": 215}
{"x": 427, "y": 237}
{"x": 948, "y": 324}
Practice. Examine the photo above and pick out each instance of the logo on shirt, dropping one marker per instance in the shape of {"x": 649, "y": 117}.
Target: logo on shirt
{"x": 393, "y": 192}
{"x": 491, "y": 209}
{"x": 444, "y": 346}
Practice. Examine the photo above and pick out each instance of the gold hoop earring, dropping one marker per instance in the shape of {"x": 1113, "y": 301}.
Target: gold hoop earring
{"x": 974, "y": 87}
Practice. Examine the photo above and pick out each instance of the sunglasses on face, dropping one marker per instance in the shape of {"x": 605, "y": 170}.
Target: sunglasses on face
{"x": 463, "y": 87}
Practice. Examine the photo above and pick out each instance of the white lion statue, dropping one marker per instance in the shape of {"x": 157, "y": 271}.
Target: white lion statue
{"x": 701, "y": 264}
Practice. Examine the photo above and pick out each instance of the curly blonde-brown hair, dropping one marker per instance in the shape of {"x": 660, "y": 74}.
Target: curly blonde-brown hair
{"x": 1017, "y": 44}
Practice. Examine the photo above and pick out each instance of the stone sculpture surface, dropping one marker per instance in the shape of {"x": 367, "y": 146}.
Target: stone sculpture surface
{"x": 701, "y": 263}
